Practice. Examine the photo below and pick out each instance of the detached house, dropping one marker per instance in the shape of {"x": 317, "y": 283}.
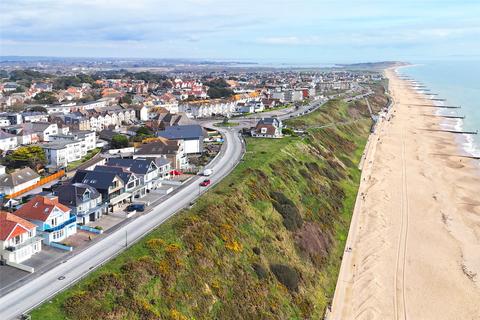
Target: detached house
{"x": 54, "y": 220}
{"x": 172, "y": 150}
{"x": 192, "y": 136}
{"x": 18, "y": 238}
{"x": 268, "y": 128}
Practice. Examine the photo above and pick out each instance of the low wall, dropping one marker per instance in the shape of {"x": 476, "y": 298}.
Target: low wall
{"x": 89, "y": 229}
{"x": 61, "y": 246}
{"x": 21, "y": 266}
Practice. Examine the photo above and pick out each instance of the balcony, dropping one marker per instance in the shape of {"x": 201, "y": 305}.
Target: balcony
{"x": 24, "y": 244}
{"x": 102, "y": 205}
{"x": 63, "y": 225}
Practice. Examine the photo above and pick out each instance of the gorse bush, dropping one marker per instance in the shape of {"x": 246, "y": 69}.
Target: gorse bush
{"x": 292, "y": 220}
{"x": 286, "y": 276}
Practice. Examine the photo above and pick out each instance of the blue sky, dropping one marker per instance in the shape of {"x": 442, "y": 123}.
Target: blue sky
{"x": 313, "y": 31}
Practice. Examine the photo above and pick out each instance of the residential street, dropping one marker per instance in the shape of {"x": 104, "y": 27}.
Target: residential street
{"x": 48, "y": 284}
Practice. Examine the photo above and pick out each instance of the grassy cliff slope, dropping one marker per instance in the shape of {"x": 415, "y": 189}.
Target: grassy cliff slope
{"x": 266, "y": 243}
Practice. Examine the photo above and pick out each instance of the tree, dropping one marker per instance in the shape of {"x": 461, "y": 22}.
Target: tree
{"x": 28, "y": 156}
{"x": 38, "y": 109}
{"x": 45, "y": 97}
{"x": 144, "y": 131}
{"x": 126, "y": 99}
{"x": 119, "y": 141}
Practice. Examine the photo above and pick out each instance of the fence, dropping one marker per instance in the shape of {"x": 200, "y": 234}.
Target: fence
{"x": 40, "y": 183}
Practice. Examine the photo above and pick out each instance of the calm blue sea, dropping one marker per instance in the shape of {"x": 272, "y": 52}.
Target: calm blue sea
{"x": 459, "y": 83}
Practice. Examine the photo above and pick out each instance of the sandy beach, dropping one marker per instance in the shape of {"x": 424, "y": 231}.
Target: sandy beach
{"x": 415, "y": 233}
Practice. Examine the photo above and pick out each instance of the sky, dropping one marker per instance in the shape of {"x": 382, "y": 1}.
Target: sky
{"x": 294, "y": 31}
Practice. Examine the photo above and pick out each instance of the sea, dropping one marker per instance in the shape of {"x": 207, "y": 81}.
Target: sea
{"x": 459, "y": 83}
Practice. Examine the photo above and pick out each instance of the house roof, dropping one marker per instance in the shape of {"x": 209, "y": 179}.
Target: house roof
{"x": 98, "y": 179}
{"x": 122, "y": 172}
{"x": 184, "y": 132}
{"x": 270, "y": 128}
{"x": 138, "y": 166}
{"x": 12, "y": 226}
{"x": 271, "y": 121}
{"x": 6, "y": 135}
{"x": 40, "y": 208}
{"x": 72, "y": 194}
{"x": 163, "y": 146}
{"x": 18, "y": 177}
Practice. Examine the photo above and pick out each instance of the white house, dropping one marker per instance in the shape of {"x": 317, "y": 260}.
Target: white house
{"x": 62, "y": 152}
{"x": 18, "y": 238}
{"x": 18, "y": 180}
{"x": 7, "y": 141}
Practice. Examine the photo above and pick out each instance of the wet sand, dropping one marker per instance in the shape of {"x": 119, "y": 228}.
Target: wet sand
{"x": 415, "y": 233}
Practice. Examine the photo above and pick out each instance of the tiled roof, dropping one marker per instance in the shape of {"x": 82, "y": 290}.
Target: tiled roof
{"x": 18, "y": 177}
{"x": 39, "y": 208}
{"x": 12, "y": 226}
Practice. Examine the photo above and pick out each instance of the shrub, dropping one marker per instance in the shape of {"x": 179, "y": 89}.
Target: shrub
{"x": 292, "y": 219}
{"x": 256, "y": 250}
{"x": 286, "y": 276}
{"x": 260, "y": 271}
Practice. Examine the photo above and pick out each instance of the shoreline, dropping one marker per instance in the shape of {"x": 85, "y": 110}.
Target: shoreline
{"x": 415, "y": 231}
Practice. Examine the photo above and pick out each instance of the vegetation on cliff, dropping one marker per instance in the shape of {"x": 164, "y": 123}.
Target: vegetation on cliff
{"x": 265, "y": 243}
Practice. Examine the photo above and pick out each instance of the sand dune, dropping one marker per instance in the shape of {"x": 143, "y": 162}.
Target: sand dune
{"x": 415, "y": 234}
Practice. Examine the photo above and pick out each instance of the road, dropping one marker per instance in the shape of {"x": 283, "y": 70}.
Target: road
{"x": 48, "y": 284}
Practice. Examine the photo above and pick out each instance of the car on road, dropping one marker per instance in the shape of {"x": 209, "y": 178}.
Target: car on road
{"x": 205, "y": 183}
{"x": 207, "y": 172}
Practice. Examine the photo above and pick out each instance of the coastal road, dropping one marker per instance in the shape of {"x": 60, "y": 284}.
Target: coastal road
{"x": 42, "y": 288}
{"x": 48, "y": 284}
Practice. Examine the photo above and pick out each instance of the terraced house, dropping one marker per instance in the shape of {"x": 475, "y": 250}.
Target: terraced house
{"x": 54, "y": 221}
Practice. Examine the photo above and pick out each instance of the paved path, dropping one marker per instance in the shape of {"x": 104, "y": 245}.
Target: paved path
{"x": 45, "y": 286}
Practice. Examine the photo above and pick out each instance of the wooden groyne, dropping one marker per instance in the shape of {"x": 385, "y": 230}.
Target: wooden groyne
{"x": 433, "y": 106}
{"x": 456, "y": 155}
{"x": 442, "y": 116}
{"x": 452, "y": 131}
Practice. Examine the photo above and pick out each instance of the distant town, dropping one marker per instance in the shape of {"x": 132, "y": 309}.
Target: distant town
{"x": 83, "y": 150}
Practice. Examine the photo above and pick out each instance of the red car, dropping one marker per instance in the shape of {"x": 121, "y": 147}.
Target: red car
{"x": 205, "y": 183}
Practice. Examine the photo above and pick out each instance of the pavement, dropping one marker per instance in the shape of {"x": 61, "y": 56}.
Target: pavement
{"x": 45, "y": 286}
{"x": 66, "y": 273}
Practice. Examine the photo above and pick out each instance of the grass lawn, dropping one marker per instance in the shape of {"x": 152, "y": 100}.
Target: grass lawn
{"x": 90, "y": 154}
{"x": 226, "y": 124}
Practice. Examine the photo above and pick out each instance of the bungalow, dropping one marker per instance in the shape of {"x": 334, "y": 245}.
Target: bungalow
{"x": 84, "y": 201}
{"x": 191, "y": 135}
{"x": 54, "y": 220}
{"x": 18, "y": 238}
{"x": 268, "y": 128}
{"x": 18, "y": 180}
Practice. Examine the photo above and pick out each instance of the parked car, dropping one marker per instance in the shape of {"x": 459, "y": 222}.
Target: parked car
{"x": 140, "y": 207}
{"x": 205, "y": 183}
